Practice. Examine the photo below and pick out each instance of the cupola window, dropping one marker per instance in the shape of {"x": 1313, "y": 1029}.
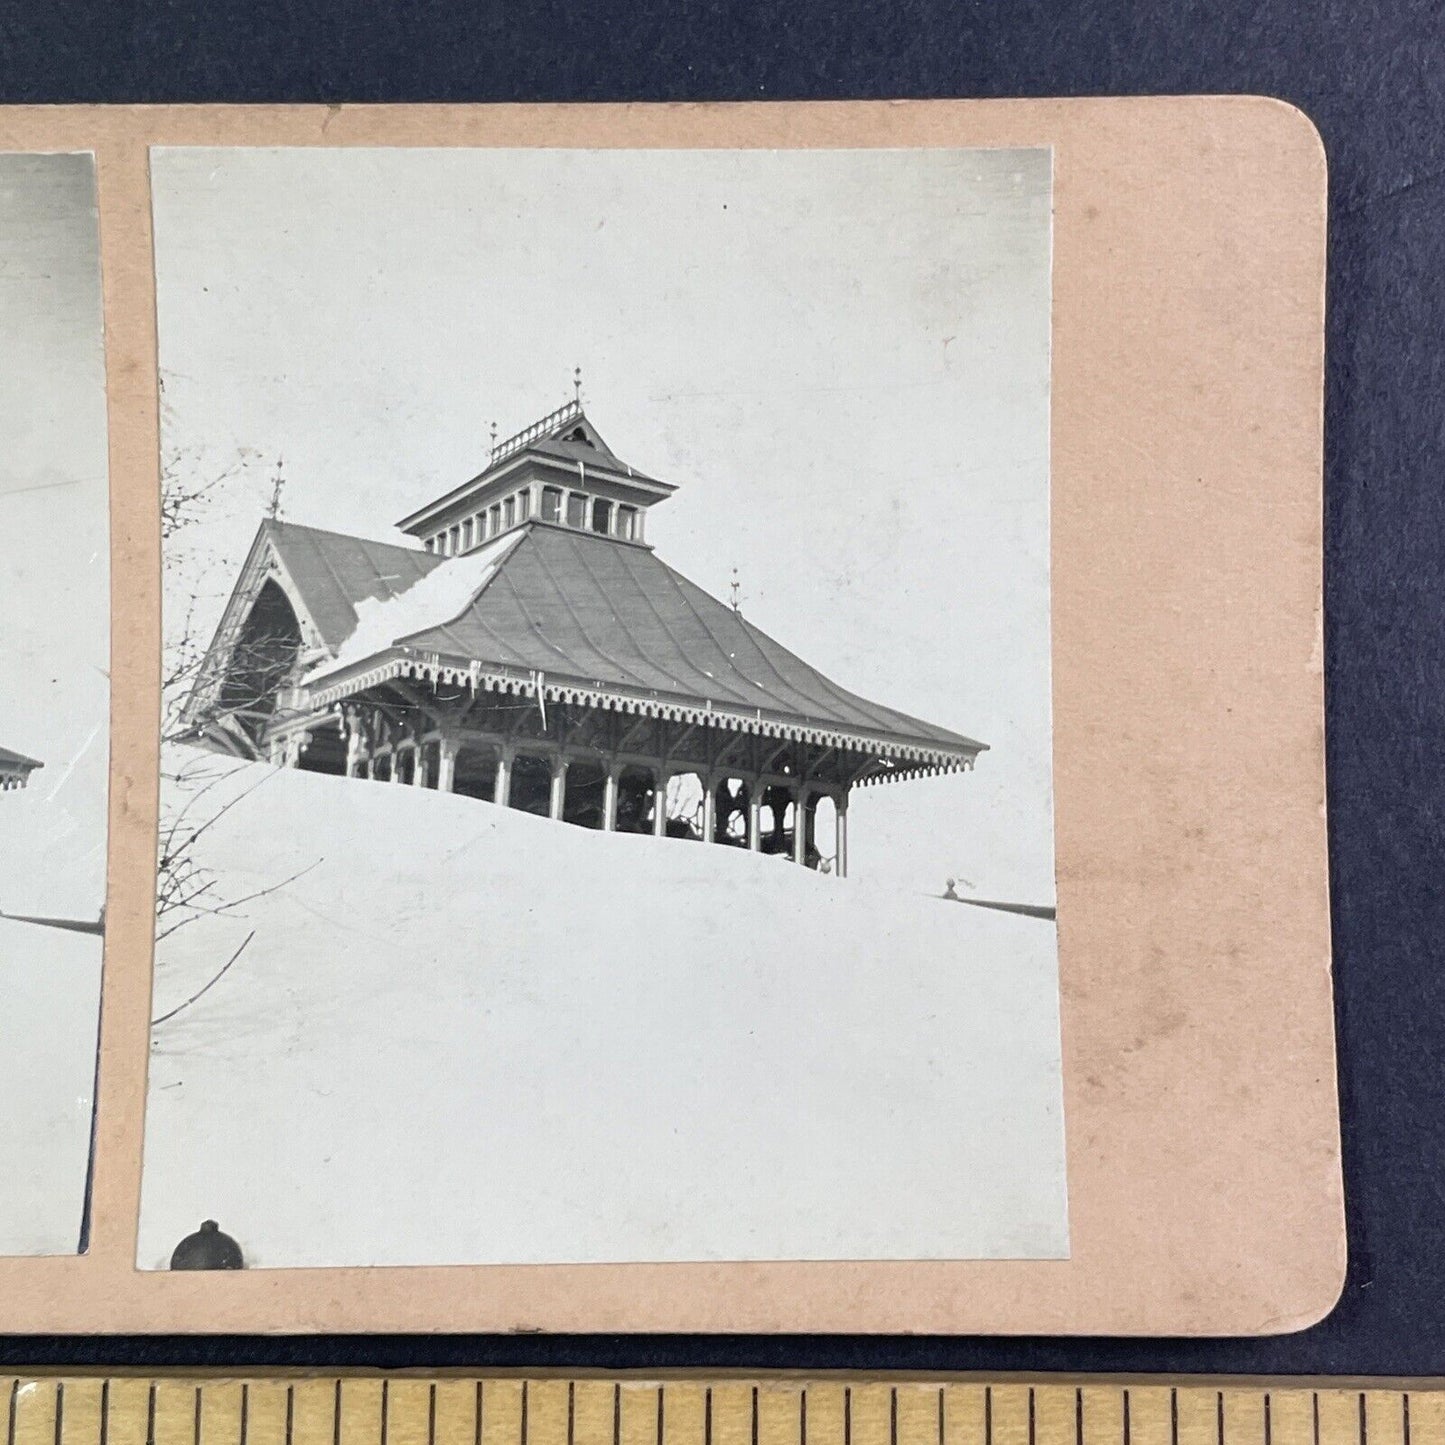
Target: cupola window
{"x": 577, "y": 509}
{"x": 551, "y": 504}
{"x": 601, "y": 515}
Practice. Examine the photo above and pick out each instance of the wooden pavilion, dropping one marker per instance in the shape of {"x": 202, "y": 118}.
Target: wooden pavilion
{"x": 531, "y": 649}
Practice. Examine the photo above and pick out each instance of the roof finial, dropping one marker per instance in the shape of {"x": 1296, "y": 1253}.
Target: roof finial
{"x": 277, "y": 483}
{"x": 494, "y": 439}
{"x": 736, "y": 595}
{"x": 577, "y": 385}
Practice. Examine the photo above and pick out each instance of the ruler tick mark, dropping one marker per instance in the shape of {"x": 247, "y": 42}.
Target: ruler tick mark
{"x": 617, "y": 1415}
{"x": 1078, "y": 1417}
{"x": 385, "y": 1409}
{"x": 151, "y": 1417}
{"x": 1405, "y": 1417}
{"x": 245, "y": 1412}
{"x": 105, "y": 1414}
{"x": 1126, "y": 1420}
{"x": 1364, "y": 1424}
{"x": 1268, "y": 1422}
{"x": 431, "y": 1416}
{"x": 60, "y": 1409}
{"x": 14, "y": 1408}
{"x": 290, "y": 1412}
{"x": 1219, "y": 1415}
{"x": 524, "y": 1413}
{"x": 572, "y": 1414}
{"x": 988, "y": 1415}
{"x": 477, "y": 1418}
{"x": 661, "y": 1414}
{"x": 336, "y": 1414}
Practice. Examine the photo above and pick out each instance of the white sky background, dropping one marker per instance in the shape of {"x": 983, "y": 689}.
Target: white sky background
{"x": 841, "y": 357}
{"x": 54, "y": 583}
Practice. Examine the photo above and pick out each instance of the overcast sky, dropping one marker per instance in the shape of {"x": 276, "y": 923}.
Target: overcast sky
{"x": 53, "y": 685}
{"x": 841, "y": 358}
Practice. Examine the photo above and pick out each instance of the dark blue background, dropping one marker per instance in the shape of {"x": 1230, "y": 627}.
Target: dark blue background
{"x": 1372, "y": 76}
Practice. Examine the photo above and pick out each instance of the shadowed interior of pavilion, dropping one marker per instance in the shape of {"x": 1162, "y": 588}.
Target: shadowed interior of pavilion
{"x": 535, "y": 653}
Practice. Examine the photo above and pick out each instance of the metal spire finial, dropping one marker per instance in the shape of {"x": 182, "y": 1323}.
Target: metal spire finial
{"x": 277, "y": 483}
{"x": 494, "y": 438}
{"x": 736, "y": 597}
{"x": 577, "y": 384}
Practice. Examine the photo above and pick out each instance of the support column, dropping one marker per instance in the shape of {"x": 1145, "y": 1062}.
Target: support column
{"x": 659, "y": 805}
{"x": 800, "y": 824}
{"x": 841, "y": 851}
{"x": 353, "y": 751}
{"x": 395, "y": 765}
{"x": 503, "y": 793}
{"x": 558, "y": 800}
{"x": 709, "y": 810}
{"x": 755, "y": 817}
{"x": 609, "y": 800}
{"x": 446, "y": 764}
{"x": 418, "y": 766}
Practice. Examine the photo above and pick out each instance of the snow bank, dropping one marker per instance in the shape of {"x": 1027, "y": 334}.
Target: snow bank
{"x": 467, "y": 1035}
{"x": 49, "y": 1002}
{"x": 52, "y": 864}
{"x": 439, "y": 597}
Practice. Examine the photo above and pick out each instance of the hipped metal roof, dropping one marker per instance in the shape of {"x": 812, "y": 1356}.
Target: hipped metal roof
{"x": 594, "y": 619}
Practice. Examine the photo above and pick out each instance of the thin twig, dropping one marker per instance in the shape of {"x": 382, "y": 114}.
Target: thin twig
{"x": 179, "y": 1007}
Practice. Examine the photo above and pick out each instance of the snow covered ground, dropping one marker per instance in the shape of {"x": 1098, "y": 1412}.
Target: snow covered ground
{"x": 467, "y": 1035}
{"x": 54, "y": 865}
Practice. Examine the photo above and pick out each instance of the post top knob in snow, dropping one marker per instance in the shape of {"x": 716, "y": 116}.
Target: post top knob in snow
{"x": 208, "y": 1248}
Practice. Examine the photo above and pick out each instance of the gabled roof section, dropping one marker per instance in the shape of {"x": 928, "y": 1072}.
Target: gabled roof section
{"x": 596, "y": 617}
{"x": 18, "y": 762}
{"x": 335, "y": 573}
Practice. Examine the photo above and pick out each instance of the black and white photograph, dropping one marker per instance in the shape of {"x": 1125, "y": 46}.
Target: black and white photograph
{"x": 606, "y": 772}
{"x": 54, "y": 694}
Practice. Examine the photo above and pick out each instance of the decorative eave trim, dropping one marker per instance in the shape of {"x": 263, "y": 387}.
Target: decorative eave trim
{"x": 908, "y": 757}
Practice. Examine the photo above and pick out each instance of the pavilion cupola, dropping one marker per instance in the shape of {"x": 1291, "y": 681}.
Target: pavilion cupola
{"x": 557, "y": 471}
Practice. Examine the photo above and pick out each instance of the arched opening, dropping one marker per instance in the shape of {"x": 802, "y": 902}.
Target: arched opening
{"x": 531, "y": 790}
{"x": 777, "y": 820}
{"x": 582, "y": 804}
{"x": 684, "y": 806}
{"x": 404, "y": 768}
{"x": 262, "y": 662}
{"x": 381, "y": 768}
{"x": 476, "y": 773}
{"x": 324, "y": 750}
{"x": 823, "y": 835}
{"x": 730, "y": 812}
{"x": 636, "y": 797}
